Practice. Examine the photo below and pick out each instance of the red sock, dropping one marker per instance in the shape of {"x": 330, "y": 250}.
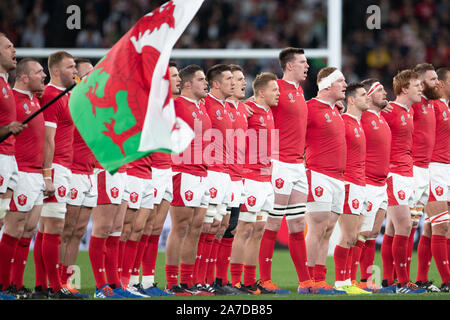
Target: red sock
{"x": 39, "y": 267}
{"x": 367, "y": 258}
{"x": 340, "y": 263}
{"x": 171, "y": 275}
{"x": 129, "y": 255}
{"x": 20, "y": 261}
{"x": 97, "y": 258}
{"x": 249, "y": 275}
{"x": 112, "y": 260}
{"x": 199, "y": 257}
{"x": 297, "y": 249}
{"x": 50, "y": 254}
{"x": 400, "y": 255}
{"x": 65, "y": 274}
{"x": 139, "y": 255}
{"x": 439, "y": 252}
{"x": 320, "y": 272}
{"x": 423, "y": 258}
{"x": 187, "y": 274}
{"x": 223, "y": 259}
{"x": 8, "y": 246}
{"x": 311, "y": 272}
{"x": 266, "y": 253}
{"x": 122, "y": 245}
{"x": 150, "y": 254}
{"x": 410, "y": 249}
{"x": 448, "y": 248}
{"x": 387, "y": 258}
{"x": 236, "y": 273}
{"x": 210, "y": 272}
{"x": 348, "y": 266}
{"x": 203, "y": 263}
{"x": 356, "y": 256}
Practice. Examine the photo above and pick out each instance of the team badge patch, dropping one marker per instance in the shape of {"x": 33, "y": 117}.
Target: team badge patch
{"x": 369, "y": 206}
{"x": 439, "y": 191}
{"x": 251, "y": 201}
{"x": 189, "y": 195}
{"x": 401, "y": 195}
{"x": 318, "y": 191}
{"x": 213, "y": 192}
{"x": 134, "y": 197}
{"x": 114, "y": 192}
{"x": 279, "y": 183}
{"x": 22, "y": 199}
{"x": 62, "y": 191}
{"x": 355, "y": 203}
{"x": 73, "y": 193}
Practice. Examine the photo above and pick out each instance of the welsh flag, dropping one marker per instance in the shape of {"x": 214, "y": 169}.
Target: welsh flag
{"x": 124, "y": 108}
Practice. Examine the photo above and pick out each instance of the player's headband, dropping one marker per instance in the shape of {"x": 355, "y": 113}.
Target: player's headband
{"x": 328, "y": 81}
{"x": 374, "y": 88}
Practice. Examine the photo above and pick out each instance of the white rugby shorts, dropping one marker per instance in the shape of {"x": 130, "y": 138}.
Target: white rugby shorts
{"x": 190, "y": 190}
{"x": 162, "y": 183}
{"x": 421, "y": 186}
{"x": 325, "y": 193}
{"x": 259, "y": 199}
{"x": 376, "y": 199}
{"x": 29, "y": 192}
{"x": 289, "y": 176}
{"x": 399, "y": 189}
{"x": 83, "y": 190}
{"x": 8, "y": 173}
{"x": 139, "y": 192}
{"x": 439, "y": 181}
{"x": 110, "y": 187}
{"x": 355, "y": 196}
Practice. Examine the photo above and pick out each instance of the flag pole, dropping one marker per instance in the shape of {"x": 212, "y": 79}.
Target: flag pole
{"x": 41, "y": 109}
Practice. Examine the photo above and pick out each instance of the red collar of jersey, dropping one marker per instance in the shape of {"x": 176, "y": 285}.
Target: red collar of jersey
{"x": 28, "y": 93}
{"x": 221, "y": 102}
{"x": 401, "y": 105}
{"x": 295, "y": 84}
{"x": 352, "y": 116}
{"x": 4, "y": 76}
{"x": 197, "y": 103}
{"x": 374, "y": 112}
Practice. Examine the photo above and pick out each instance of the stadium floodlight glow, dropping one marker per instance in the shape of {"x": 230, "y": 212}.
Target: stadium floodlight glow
{"x": 332, "y": 53}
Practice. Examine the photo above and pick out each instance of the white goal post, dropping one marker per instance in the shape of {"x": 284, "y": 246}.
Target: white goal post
{"x": 332, "y": 53}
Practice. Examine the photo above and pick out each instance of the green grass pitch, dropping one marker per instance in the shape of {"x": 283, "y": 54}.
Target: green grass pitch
{"x": 283, "y": 273}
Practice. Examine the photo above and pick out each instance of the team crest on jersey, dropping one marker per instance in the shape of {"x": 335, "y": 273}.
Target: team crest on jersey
{"x": 355, "y": 203}
{"x": 251, "y": 201}
{"x": 213, "y": 193}
{"x": 189, "y": 195}
{"x": 231, "y": 116}
{"x": 401, "y": 195}
{"x": 73, "y": 193}
{"x": 279, "y": 183}
{"x": 27, "y": 108}
{"x": 114, "y": 192}
{"x": 439, "y": 191}
{"x": 424, "y": 109}
{"x": 318, "y": 191}
{"x": 62, "y": 191}
{"x": 22, "y": 199}
{"x": 261, "y": 119}
{"x": 5, "y": 93}
{"x": 369, "y": 206}
{"x": 194, "y": 115}
{"x": 375, "y": 125}
{"x": 1, "y": 180}
{"x": 357, "y": 133}
{"x": 291, "y": 97}
{"x": 134, "y": 197}
{"x": 327, "y": 117}
{"x": 219, "y": 115}
{"x": 444, "y": 116}
{"x": 403, "y": 120}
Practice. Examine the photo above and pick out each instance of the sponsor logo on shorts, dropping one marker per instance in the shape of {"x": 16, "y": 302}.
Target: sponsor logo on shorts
{"x": 134, "y": 197}
{"x": 279, "y": 183}
{"x": 439, "y": 191}
{"x": 114, "y": 192}
{"x": 401, "y": 195}
{"x": 355, "y": 203}
{"x": 62, "y": 191}
{"x": 318, "y": 191}
{"x": 251, "y": 201}
{"x": 213, "y": 192}
{"x": 73, "y": 193}
{"x": 189, "y": 195}
{"x": 22, "y": 199}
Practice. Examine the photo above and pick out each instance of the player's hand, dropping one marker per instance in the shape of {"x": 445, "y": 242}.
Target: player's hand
{"x": 49, "y": 188}
{"x": 16, "y": 127}
{"x": 388, "y": 108}
{"x": 340, "y": 106}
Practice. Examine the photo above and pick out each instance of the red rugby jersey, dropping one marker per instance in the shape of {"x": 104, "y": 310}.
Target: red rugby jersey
{"x": 161, "y": 160}
{"x": 259, "y": 144}
{"x": 195, "y": 115}
{"x": 238, "y": 116}
{"x": 378, "y": 147}
{"x": 326, "y": 150}
{"x": 290, "y": 116}
{"x": 441, "y": 152}
{"x": 400, "y": 121}
{"x": 355, "y": 139}
{"x": 220, "y": 123}
{"x": 141, "y": 168}
{"x": 83, "y": 158}
{"x": 30, "y": 142}
{"x": 424, "y": 132}
{"x": 7, "y": 113}
{"x": 58, "y": 116}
